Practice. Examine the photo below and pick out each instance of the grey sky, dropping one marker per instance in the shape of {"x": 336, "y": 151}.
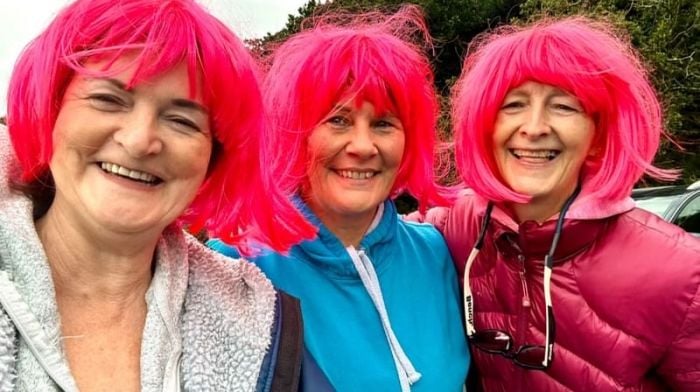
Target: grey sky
{"x": 21, "y": 20}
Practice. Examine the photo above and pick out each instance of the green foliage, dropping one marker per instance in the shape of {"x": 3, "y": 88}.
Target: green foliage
{"x": 666, "y": 33}
{"x": 452, "y": 23}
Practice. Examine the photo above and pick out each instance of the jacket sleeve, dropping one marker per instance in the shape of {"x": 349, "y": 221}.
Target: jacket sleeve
{"x": 681, "y": 366}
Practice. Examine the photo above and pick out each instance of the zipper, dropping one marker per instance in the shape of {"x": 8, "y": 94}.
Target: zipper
{"x": 525, "y": 310}
{"x": 523, "y": 322}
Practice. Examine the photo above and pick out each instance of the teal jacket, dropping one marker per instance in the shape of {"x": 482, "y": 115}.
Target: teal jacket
{"x": 342, "y": 329}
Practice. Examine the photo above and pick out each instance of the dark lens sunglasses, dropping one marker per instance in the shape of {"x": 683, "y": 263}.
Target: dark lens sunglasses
{"x": 493, "y": 341}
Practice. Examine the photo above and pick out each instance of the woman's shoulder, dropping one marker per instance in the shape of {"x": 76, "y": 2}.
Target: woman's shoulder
{"x": 420, "y": 231}
{"x": 9, "y": 167}
{"x": 229, "y": 309}
{"x": 652, "y": 232}
{"x": 225, "y": 268}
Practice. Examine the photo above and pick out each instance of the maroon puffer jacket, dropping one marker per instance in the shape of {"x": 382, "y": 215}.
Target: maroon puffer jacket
{"x": 625, "y": 298}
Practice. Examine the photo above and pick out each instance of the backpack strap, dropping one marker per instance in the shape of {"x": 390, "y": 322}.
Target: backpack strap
{"x": 281, "y": 367}
{"x": 291, "y": 344}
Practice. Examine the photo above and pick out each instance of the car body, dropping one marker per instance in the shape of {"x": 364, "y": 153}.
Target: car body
{"x": 678, "y": 204}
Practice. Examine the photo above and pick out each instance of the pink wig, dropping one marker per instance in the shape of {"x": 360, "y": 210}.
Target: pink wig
{"x": 582, "y": 57}
{"x": 368, "y": 59}
{"x": 163, "y": 33}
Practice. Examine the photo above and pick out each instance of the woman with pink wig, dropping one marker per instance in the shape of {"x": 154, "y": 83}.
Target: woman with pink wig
{"x": 567, "y": 286}
{"x": 354, "y": 115}
{"x": 125, "y": 118}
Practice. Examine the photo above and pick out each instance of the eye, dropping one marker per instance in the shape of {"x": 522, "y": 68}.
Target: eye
{"x": 565, "y": 108}
{"x": 512, "y": 105}
{"x": 338, "y": 121}
{"x": 387, "y": 124}
{"x": 106, "y": 102}
{"x": 184, "y": 123}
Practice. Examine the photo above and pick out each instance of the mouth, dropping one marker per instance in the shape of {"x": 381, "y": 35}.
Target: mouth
{"x": 539, "y": 155}
{"x": 357, "y": 174}
{"x": 130, "y": 174}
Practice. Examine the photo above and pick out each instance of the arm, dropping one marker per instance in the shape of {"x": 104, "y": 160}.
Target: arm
{"x": 680, "y": 368}
{"x": 436, "y": 216}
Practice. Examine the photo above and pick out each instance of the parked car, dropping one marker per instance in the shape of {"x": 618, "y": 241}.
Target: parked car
{"x": 678, "y": 204}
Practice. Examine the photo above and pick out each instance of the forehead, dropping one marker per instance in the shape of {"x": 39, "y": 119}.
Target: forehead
{"x": 377, "y": 99}
{"x": 532, "y": 87}
{"x": 127, "y": 72}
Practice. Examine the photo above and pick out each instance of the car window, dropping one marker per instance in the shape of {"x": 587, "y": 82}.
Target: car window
{"x": 656, "y": 205}
{"x": 689, "y": 216}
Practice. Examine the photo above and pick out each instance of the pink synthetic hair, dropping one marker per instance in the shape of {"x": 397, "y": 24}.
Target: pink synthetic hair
{"x": 583, "y": 57}
{"x": 162, "y": 34}
{"x": 369, "y": 58}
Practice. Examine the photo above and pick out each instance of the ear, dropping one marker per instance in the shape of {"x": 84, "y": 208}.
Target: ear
{"x": 595, "y": 152}
{"x": 597, "y": 149}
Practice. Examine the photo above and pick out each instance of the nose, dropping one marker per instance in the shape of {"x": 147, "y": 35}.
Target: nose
{"x": 139, "y": 134}
{"x": 536, "y": 122}
{"x": 361, "y": 143}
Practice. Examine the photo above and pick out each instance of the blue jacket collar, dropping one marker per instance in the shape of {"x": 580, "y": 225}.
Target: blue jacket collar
{"x": 326, "y": 251}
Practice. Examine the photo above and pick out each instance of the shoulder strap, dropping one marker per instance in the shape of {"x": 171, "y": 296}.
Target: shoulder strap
{"x": 291, "y": 341}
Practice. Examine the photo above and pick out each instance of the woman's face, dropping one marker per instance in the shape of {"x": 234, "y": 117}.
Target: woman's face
{"x": 129, "y": 160}
{"x": 541, "y": 139}
{"x": 355, "y": 156}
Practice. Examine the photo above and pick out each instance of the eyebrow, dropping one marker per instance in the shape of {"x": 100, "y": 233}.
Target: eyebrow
{"x": 115, "y": 82}
{"x": 341, "y": 109}
{"x": 556, "y": 93}
{"x": 188, "y": 104}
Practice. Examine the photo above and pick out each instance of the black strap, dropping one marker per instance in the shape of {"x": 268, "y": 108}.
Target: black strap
{"x": 291, "y": 346}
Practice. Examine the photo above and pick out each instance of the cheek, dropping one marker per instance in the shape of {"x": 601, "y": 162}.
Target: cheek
{"x": 396, "y": 148}
{"x": 501, "y": 127}
{"x": 194, "y": 159}
{"x": 585, "y": 141}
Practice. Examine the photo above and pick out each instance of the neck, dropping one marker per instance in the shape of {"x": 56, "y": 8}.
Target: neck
{"x": 350, "y": 229}
{"x": 541, "y": 209}
{"x": 93, "y": 266}
{"x": 534, "y": 211}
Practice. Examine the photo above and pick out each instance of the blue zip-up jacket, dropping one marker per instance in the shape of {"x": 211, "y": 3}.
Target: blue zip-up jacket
{"x": 342, "y": 329}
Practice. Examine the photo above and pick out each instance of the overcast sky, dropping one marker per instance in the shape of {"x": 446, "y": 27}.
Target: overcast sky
{"x": 22, "y": 20}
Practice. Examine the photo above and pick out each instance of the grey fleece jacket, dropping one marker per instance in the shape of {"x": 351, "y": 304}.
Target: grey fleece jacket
{"x": 208, "y": 325}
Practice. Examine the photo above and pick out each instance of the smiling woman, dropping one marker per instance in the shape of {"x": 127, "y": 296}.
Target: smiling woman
{"x": 119, "y": 137}
{"x": 128, "y": 160}
{"x": 354, "y": 112}
{"x": 566, "y": 285}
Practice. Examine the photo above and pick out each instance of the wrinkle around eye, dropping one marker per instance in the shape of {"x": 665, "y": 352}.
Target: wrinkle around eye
{"x": 187, "y": 125}
{"x": 106, "y": 102}
{"x": 513, "y": 106}
{"x": 566, "y": 108}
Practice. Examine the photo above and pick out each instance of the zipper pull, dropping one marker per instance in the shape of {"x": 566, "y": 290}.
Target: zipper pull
{"x": 523, "y": 282}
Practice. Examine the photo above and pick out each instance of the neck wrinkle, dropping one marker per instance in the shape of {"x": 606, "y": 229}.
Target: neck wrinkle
{"x": 91, "y": 267}
{"x": 349, "y": 230}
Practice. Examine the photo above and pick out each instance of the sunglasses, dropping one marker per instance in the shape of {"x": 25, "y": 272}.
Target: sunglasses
{"x": 493, "y": 341}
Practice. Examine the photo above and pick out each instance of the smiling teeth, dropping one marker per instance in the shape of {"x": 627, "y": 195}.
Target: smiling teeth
{"x": 356, "y": 175}
{"x": 124, "y": 172}
{"x": 544, "y": 154}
